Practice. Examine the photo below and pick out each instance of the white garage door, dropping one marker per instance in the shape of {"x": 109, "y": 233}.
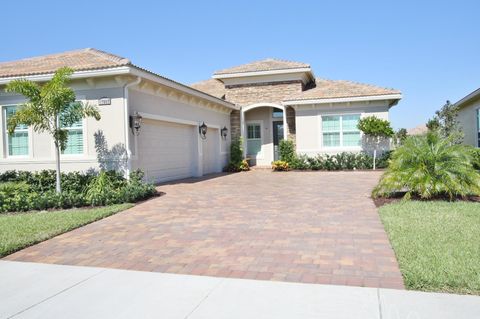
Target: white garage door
{"x": 166, "y": 150}
{"x": 211, "y": 152}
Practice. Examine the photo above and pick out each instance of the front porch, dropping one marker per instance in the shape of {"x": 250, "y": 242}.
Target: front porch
{"x": 262, "y": 127}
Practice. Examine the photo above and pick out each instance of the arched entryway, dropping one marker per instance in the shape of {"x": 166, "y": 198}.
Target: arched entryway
{"x": 263, "y": 126}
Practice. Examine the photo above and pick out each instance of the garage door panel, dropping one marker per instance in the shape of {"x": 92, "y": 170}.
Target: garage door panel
{"x": 166, "y": 150}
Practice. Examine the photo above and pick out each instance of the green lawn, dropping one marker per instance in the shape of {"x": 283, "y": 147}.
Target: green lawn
{"x": 21, "y": 230}
{"x": 437, "y": 244}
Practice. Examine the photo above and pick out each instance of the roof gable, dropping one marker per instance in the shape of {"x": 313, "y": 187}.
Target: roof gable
{"x": 263, "y": 65}
{"x": 78, "y": 60}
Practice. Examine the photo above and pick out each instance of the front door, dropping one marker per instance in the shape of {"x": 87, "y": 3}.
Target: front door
{"x": 277, "y": 137}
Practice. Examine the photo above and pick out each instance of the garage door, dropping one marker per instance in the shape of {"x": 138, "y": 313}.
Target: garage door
{"x": 211, "y": 156}
{"x": 166, "y": 150}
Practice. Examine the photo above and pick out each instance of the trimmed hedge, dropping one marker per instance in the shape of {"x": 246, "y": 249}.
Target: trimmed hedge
{"x": 24, "y": 191}
{"x": 340, "y": 161}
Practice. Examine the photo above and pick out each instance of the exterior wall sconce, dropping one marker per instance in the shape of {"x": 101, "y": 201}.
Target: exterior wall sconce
{"x": 202, "y": 130}
{"x": 224, "y": 132}
{"x": 135, "y": 123}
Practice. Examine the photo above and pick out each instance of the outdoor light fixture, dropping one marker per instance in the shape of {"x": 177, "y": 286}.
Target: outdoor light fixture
{"x": 135, "y": 123}
{"x": 224, "y": 132}
{"x": 202, "y": 130}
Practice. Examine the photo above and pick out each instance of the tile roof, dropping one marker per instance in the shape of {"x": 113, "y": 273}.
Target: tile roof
{"x": 263, "y": 65}
{"x": 210, "y": 86}
{"x": 418, "y": 130}
{"x": 79, "y": 60}
{"x": 327, "y": 89}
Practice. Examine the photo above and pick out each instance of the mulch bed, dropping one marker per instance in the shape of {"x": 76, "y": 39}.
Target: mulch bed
{"x": 396, "y": 197}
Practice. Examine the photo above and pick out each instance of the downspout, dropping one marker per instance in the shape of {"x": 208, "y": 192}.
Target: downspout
{"x": 127, "y": 124}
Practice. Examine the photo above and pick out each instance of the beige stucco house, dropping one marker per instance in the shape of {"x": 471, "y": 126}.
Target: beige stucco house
{"x": 263, "y": 102}
{"x": 469, "y": 117}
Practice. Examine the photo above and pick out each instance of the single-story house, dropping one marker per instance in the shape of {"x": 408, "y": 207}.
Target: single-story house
{"x": 154, "y": 123}
{"x": 469, "y": 117}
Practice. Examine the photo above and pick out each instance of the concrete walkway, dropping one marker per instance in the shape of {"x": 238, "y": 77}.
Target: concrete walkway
{"x": 32, "y": 290}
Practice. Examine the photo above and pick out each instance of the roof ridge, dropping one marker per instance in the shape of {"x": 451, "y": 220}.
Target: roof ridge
{"x": 110, "y": 56}
{"x": 358, "y": 83}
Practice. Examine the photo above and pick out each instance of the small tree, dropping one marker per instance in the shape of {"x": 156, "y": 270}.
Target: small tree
{"x": 446, "y": 124}
{"x": 50, "y": 108}
{"x": 400, "y": 136}
{"x": 375, "y": 130}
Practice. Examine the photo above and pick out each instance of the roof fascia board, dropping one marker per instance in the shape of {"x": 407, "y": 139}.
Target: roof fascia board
{"x": 475, "y": 94}
{"x": 175, "y": 85}
{"x": 345, "y": 99}
{"x": 75, "y": 75}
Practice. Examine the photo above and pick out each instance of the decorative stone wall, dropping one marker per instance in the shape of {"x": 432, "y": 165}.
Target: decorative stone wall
{"x": 235, "y": 124}
{"x": 291, "y": 130}
{"x": 271, "y": 92}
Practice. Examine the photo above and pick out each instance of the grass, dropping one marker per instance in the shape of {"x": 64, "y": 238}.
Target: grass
{"x": 21, "y": 230}
{"x": 437, "y": 244}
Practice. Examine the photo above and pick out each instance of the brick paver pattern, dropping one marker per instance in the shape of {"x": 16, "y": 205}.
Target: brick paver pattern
{"x": 312, "y": 227}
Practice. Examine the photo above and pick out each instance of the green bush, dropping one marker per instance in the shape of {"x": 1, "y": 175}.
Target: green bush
{"x": 340, "y": 161}
{"x": 23, "y": 191}
{"x": 429, "y": 167}
{"x": 237, "y": 163}
{"x": 287, "y": 151}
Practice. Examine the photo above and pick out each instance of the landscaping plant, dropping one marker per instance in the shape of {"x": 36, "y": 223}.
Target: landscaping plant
{"x": 446, "y": 124}
{"x": 286, "y": 150}
{"x": 430, "y": 166}
{"x": 280, "y": 166}
{"x": 237, "y": 162}
{"x": 376, "y": 131}
{"x": 50, "y": 108}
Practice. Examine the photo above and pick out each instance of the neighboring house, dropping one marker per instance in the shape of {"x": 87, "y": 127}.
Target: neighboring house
{"x": 263, "y": 102}
{"x": 469, "y": 117}
{"x": 418, "y": 130}
{"x": 283, "y": 99}
{"x": 168, "y": 145}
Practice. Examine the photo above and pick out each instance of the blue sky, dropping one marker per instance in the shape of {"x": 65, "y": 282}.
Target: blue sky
{"x": 427, "y": 49}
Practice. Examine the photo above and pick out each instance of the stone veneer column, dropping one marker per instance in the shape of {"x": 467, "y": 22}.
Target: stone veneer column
{"x": 291, "y": 130}
{"x": 235, "y": 124}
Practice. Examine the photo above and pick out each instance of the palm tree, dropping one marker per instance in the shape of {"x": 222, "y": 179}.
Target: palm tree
{"x": 49, "y": 108}
{"x": 430, "y": 166}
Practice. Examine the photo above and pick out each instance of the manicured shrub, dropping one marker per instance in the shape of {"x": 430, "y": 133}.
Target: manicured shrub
{"x": 25, "y": 191}
{"x": 280, "y": 166}
{"x": 286, "y": 150}
{"x": 430, "y": 166}
{"x": 237, "y": 163}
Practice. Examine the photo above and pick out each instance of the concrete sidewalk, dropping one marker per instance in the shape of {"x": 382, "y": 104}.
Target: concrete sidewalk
{"x": 31, "y": 290}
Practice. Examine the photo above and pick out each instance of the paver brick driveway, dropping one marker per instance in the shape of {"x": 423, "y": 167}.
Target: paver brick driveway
{"x": 315, "y": 227}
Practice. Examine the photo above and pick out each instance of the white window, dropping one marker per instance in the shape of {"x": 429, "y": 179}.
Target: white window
{"x": 341, "y": 131}
{"x": 17, "y": 143}
{"x": 75, "y": 138}
{"x": 254, "y": 139}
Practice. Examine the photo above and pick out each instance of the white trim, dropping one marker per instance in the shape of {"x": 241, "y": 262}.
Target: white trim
{"x": 344, "y": 99}
{"x": 133, "y": 70}
{"x": 168, "y": 119}
{"x": 467, "y": 98}
{"x": 181, "y": 87}
{"x": 75, "y": 75}
{"x": 257, "y": 105}
{"x": 257, "y": 73}
{"x": 341, "y": 146}
{"x": 5, "y": 136}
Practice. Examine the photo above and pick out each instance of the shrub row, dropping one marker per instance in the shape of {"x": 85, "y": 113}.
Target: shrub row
{"x": 23, "y": 191}
{"x": 340, "y": 161}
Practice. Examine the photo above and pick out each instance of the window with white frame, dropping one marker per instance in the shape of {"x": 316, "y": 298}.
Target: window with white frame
{"x": 341, "y": 130}
{"x": 254, "y": 139}
{"x": 75, "y": 138}
{"x": 17, "y": 143}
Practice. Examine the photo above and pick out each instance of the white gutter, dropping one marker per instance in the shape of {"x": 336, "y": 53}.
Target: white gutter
{"x": 75, "y": 75}
{"x": 345, "y": 99}
{"x": 127, "y": 126}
